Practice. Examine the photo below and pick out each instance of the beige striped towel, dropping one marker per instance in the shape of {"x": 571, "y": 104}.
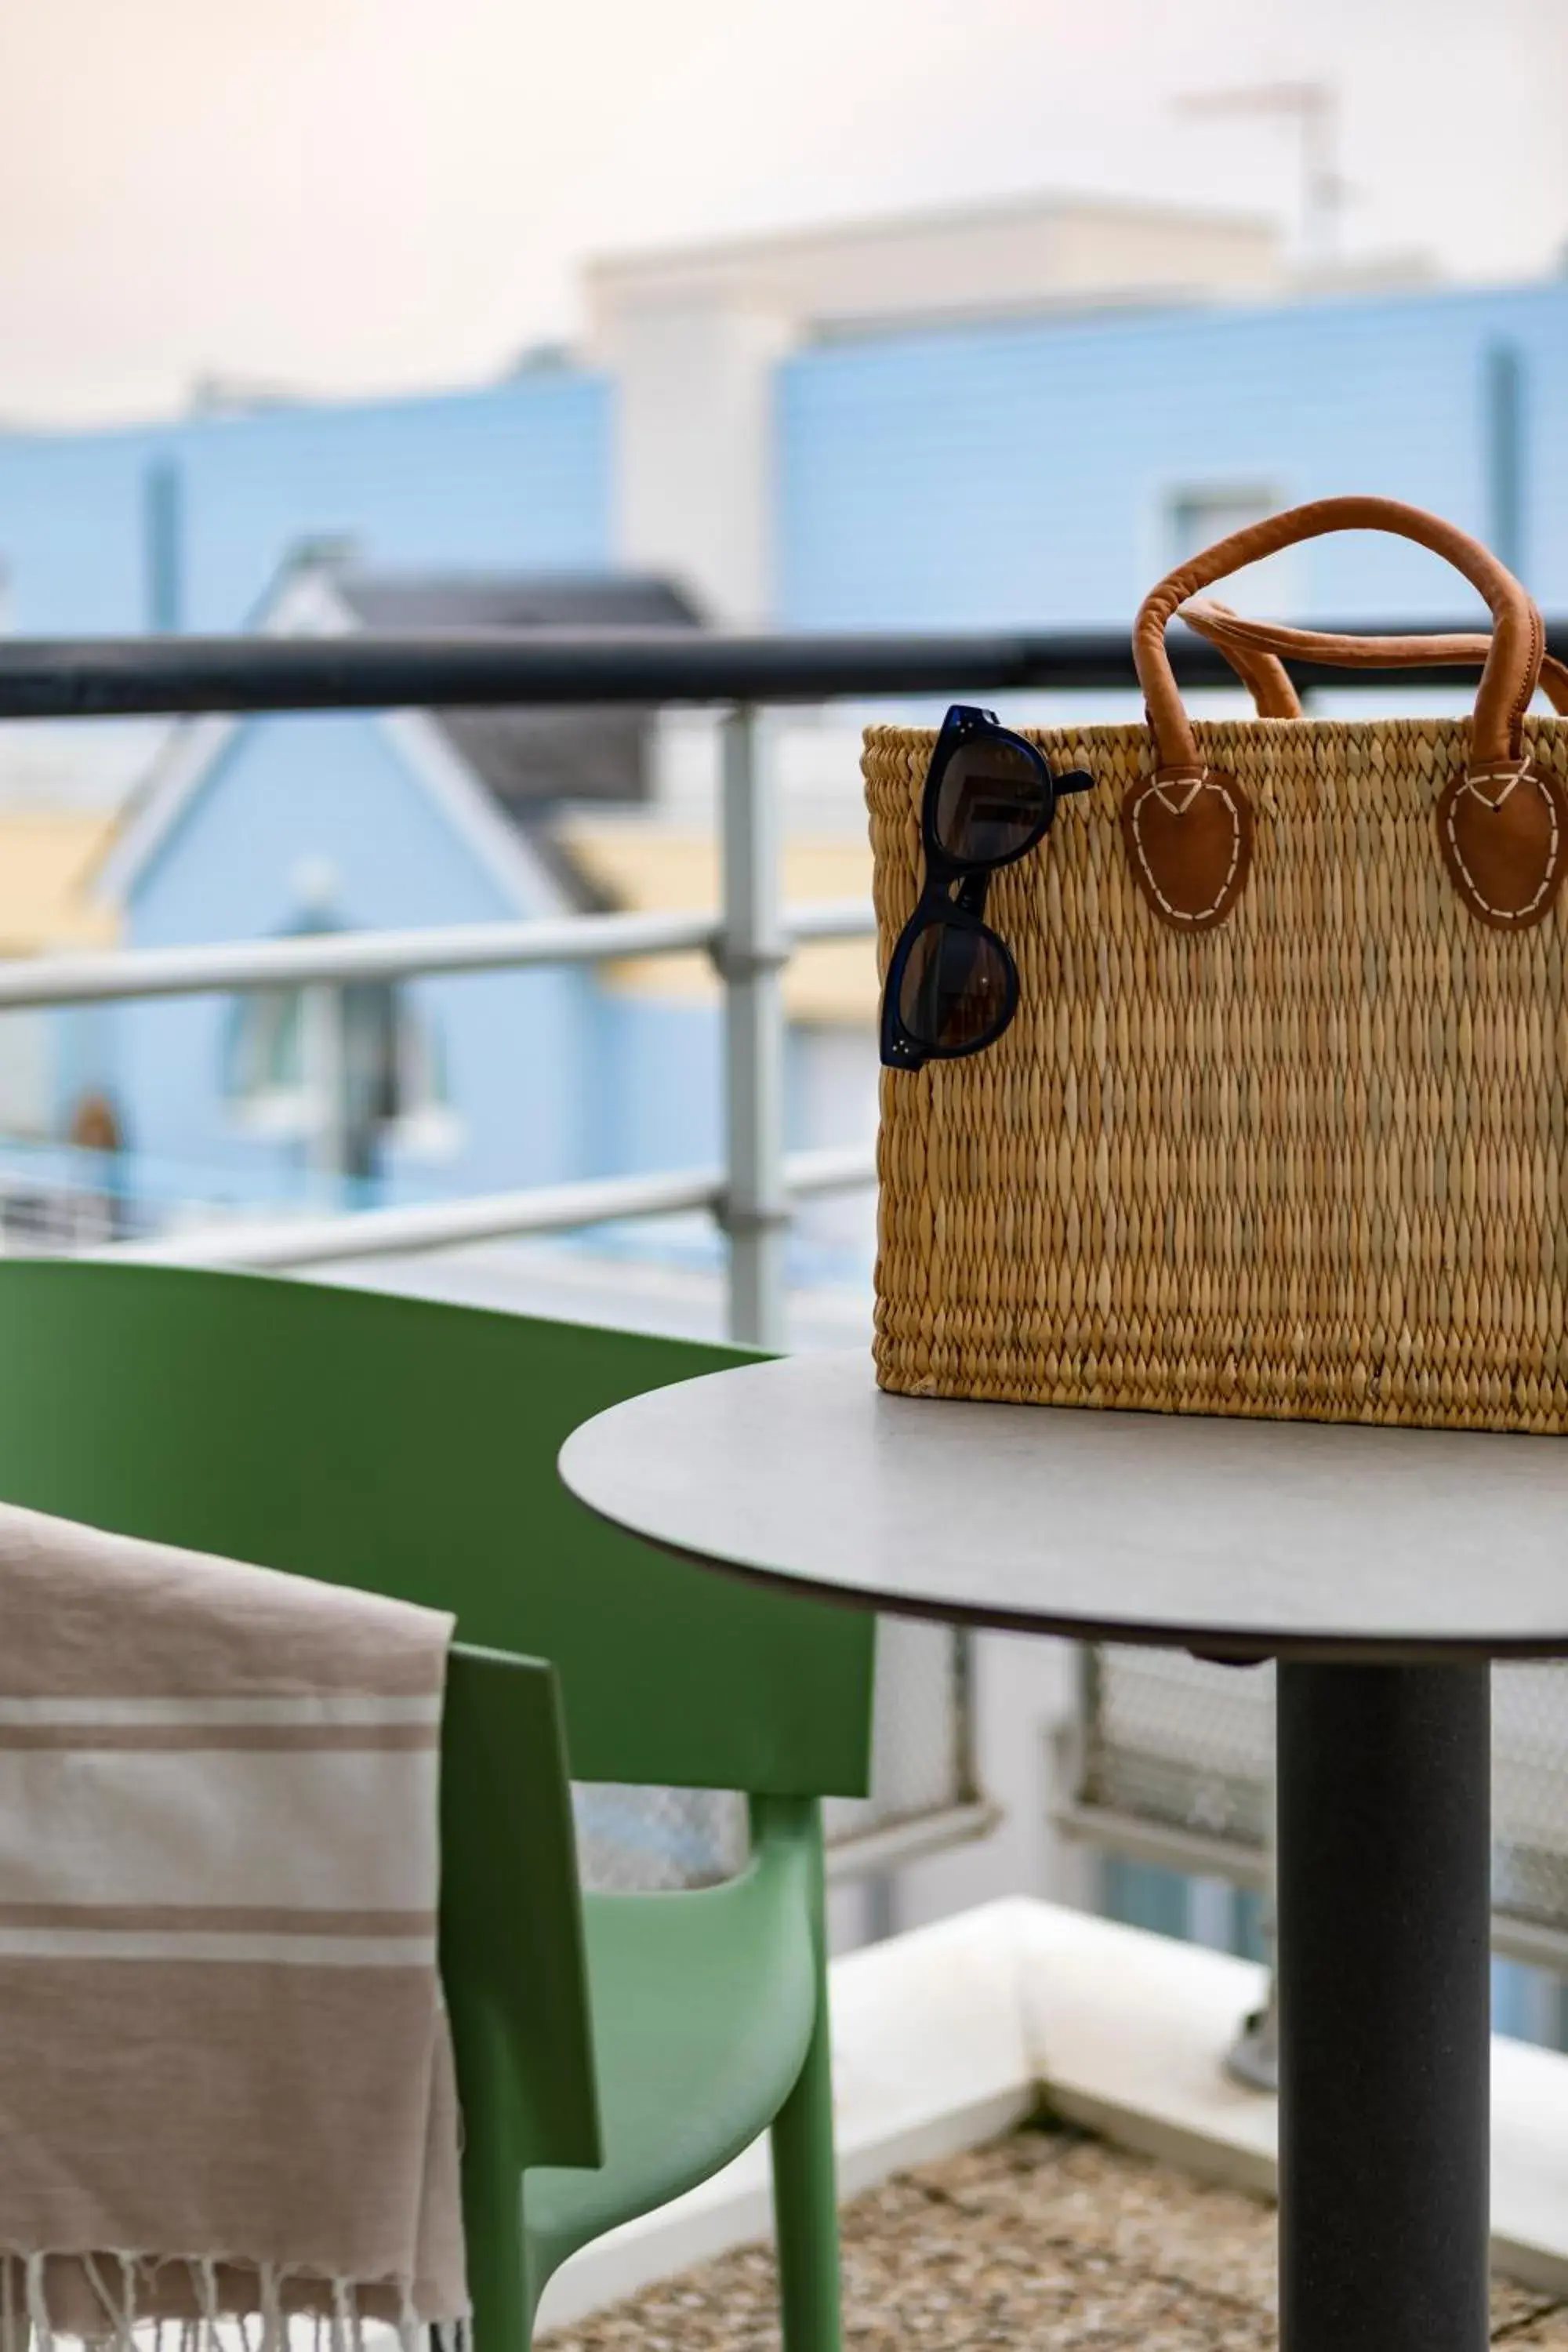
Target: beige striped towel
{"x": 226, "y": 2077}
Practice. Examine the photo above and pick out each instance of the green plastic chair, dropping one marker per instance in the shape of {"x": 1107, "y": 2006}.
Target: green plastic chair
{"x": 513, "y": 1960}
{"x": 410, "y": 1448}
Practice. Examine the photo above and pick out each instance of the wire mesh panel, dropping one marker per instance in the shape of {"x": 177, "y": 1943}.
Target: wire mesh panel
{"x": 1169, "y": 1740}
{"x": 1169, "y": 1743}
{"x": 921, "y": 1761}
{"x": 644, "y": 1839}
{"x": 1529, "y": 1794}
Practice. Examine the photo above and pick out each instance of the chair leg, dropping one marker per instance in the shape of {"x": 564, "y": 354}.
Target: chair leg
{"x": 805, "y": 2194}
{"x": 502, "y": 2288}
{"x": 499, "y": 2285}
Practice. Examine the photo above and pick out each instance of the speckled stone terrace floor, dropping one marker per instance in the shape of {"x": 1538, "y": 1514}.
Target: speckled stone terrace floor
{"x": 1045, "y": 2240}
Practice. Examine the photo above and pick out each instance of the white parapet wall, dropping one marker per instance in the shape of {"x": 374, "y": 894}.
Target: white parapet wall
{"x": 955, "y": 2033}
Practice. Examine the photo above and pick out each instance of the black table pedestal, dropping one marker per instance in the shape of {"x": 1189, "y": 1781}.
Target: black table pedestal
{"x": 1383, "y": 1896}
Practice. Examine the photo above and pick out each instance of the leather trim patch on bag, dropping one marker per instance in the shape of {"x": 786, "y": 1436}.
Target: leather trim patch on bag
{"x": 1504, "y": 839}
{"x": 1189, "y": 842}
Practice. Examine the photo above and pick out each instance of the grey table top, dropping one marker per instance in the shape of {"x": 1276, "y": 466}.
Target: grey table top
{"x": 1260, "y": 1537}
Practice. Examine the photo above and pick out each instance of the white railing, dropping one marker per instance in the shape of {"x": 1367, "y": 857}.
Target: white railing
{"x": 751, "y": 940}
{"x": 492, "y": 1217}
{"x": 333, "y": 958}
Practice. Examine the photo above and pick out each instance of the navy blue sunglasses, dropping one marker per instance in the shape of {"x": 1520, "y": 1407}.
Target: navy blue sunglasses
{"x": 952, "y": 987}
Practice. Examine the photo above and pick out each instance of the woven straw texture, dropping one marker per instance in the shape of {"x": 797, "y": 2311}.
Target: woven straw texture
{"x": 1309, "y": 1164}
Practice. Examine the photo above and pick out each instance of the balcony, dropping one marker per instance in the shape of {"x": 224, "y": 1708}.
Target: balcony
{"x": 964, "y": 1809}
{"x": 1037, "y": 2146}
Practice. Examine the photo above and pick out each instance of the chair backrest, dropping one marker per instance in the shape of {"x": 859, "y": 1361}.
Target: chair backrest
{"x": 513, "y": 1966}
{"x": 410, "y": 1448}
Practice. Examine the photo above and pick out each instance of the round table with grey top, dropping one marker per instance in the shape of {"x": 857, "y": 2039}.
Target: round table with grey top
{"x": 1384, "y": 1569}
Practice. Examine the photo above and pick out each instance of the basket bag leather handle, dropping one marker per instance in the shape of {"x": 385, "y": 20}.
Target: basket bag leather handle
{"x": 1259, "y": 650}
{"x": 1502, "y": 825}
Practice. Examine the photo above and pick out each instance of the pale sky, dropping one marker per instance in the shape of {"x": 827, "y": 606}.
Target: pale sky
{"x": 344, "y": 196}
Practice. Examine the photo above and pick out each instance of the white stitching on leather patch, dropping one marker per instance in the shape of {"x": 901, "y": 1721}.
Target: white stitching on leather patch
{"x": 1178, "y": 808}
{"x": 1204, "y": 782}
{"x": 1504, "y": 914}
{"x": 1507, "y": 777}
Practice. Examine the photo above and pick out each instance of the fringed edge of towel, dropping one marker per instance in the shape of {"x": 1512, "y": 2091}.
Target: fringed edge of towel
{"x": 125, "y": 2302}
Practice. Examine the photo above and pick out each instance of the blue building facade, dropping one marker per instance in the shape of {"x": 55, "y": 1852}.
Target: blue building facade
{"x": 276, "y": 826}
{"x": 324, "y": 821}
{"x": 497, "y": 1081}
{"x": 186, "y": 525}
{"x": 1037, "y": 472}
{"x": 1032, "y": 472}
{"x": 1048, "y": 472}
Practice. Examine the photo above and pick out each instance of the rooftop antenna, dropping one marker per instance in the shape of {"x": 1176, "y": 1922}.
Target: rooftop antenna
{"x": 1312, "y": 109}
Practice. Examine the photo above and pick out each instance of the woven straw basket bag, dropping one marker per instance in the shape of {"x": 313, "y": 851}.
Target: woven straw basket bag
{"x": 1279, "y": 1125}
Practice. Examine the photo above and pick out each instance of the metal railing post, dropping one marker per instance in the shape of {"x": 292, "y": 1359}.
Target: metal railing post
{"x": 752, "y": 952}
{"x": 327, "y": 1080}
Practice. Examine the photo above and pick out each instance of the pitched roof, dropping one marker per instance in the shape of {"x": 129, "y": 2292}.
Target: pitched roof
{"x": 506, "y": 772}
{"x": 531, "y": 759}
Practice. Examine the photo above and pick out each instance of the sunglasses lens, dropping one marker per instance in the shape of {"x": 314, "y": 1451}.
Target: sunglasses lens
{"x": 955, "y": 988}
{"x": 990, "y": 803}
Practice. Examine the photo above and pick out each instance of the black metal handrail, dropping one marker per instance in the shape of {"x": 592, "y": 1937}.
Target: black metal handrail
{"x": 99, "y": 678}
